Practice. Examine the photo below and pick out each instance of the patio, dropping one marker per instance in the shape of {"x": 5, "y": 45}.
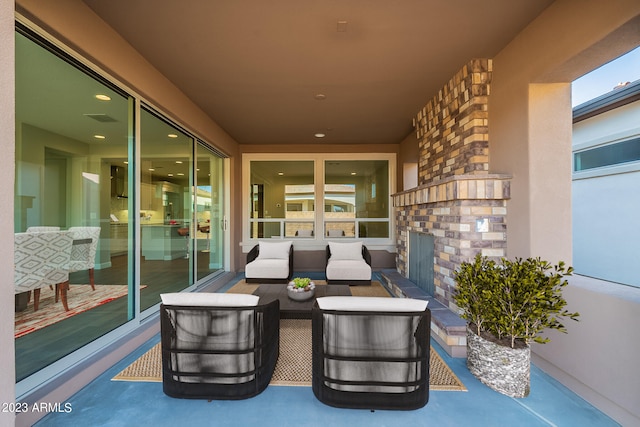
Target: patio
{"x": 116, "y": 403}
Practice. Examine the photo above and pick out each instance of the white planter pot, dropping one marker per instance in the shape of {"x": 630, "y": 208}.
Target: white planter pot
{"x": 504, "y": 369}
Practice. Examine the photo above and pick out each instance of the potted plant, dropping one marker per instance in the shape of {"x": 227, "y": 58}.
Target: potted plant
{"x": 301, "y": 288}
{"x": 507, "y": 305}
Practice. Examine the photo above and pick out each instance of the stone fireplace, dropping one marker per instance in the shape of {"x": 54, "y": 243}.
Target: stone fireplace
{"x": 456, "y": 201}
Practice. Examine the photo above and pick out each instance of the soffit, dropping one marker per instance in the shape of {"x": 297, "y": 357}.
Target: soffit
{"x": 256, "y": 66}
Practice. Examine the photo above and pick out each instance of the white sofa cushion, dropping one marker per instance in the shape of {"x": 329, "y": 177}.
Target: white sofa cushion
{"x": 274, "y": 250}
{"x": 371, "y": 304}
{"x": 344, "y": 251}
{"x": 348, "y": 269}
{"x": 267, "y": 269}
{"x": 207, "y": 299}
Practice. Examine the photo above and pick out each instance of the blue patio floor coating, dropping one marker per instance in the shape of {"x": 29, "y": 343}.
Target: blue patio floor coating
{"x": 118, "y": 403}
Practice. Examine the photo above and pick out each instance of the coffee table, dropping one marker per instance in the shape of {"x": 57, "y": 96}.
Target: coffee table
{"x": 291, "y": 309}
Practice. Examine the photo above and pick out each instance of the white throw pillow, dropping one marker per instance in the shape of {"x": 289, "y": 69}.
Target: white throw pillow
{"x": 208, "y": 299}
{"x": 274, "y": 250}
{"x": 343, "y": 251}
{"x": 371, "y": 304}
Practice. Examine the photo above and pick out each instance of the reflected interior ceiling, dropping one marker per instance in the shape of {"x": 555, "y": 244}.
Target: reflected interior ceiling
{"x": 257, "y": 67}
{"x": 55, "y": 97}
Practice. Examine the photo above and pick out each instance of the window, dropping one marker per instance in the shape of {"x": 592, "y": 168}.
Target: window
{"x": 282, "y": 196}
{"x": 608, "y": 155}
{"x": 356, "y": 195}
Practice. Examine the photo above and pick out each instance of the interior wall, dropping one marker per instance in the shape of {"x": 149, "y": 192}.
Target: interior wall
{"x": 531, "y": 140}
{"x": 7, "y": 169}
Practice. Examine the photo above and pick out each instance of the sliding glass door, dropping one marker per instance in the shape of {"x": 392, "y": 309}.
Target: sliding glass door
{"x": 210, "y": 219}
{"x": 130, "y": 202}
{"x": 166, "y": 195}
{"x": 74, "y": 139}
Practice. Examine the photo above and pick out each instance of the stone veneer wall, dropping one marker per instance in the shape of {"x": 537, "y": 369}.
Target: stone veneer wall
{"x": 456, "y": 198}
{"x": 453, "y": 128}
{"x": 451, "y": 210}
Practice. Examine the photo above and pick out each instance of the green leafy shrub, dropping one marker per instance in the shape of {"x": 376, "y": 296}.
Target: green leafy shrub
{"x": 513, "y": 301}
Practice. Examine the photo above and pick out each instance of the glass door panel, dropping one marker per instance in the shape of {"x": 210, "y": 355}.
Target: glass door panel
{"x": 209, "y": 203}
{"x": 73, "y": 144}
{"x": 166, "y": 199}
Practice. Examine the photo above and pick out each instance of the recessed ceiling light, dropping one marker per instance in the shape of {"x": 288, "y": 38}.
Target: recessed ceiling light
{"x": 99, "y": 136}
{"x": 103, "y": 97}
{"x": 319, "y": 135}
{"x": 320, "y": 97}
{"x": 172, "y": 135}
{"x": 342, "y": 26}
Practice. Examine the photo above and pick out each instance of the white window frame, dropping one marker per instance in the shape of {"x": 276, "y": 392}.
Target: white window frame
{"x": 319, "y": 240}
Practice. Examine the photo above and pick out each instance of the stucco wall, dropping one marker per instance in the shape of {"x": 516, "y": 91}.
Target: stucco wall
{"x": 530, "y": 135}
{"x": 7, "y": 137}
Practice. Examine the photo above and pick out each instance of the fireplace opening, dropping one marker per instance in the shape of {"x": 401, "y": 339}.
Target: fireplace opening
{"x": 421, "y": 252}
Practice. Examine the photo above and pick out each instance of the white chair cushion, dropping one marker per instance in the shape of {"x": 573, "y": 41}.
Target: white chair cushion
{"x": 274, "y": 250}
{"x": 348, "y": 270}
{"x": 267, "y": 269}
{"x": 342, "y": 251}
{"x": 371, "y": 304}
{"x": 207, "y": 299}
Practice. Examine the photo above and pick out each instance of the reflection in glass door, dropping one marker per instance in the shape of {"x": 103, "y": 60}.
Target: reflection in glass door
{"x": 166, "y": 183}
{"x": 209, "y": 205}
{"x": 73, "y": 134}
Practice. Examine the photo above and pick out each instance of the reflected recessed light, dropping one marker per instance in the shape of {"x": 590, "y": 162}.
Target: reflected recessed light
{"x": 179, "y": 162}
{"x": 103, "y": 97}
{"x": 99, "y": 136}
{"x": 353, "y": 173}
{"x": 280, "y": 173}
{"x": 151, "y": 169}
{"x": 319, "y": 135}
{"x": 126, "y": 162}
{"x": 172, "y": 135}
{"x": 180, "y": 174}
{"x": 169, "y": 174}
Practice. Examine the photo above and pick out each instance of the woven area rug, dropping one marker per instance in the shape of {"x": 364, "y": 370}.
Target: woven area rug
{"x": 294, "y": 363}
{"x": 80, "y": 298}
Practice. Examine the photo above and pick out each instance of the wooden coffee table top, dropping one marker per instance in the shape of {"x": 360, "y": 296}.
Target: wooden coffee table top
{"x": 291, "y": 309}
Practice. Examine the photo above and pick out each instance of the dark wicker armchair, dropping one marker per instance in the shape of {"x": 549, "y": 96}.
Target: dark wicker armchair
{"x": 371, "y": 353}
{"x": 218, "y": 351}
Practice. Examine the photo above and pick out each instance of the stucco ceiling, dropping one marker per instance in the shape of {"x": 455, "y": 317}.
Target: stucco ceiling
{"x": 256, "y": 67}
